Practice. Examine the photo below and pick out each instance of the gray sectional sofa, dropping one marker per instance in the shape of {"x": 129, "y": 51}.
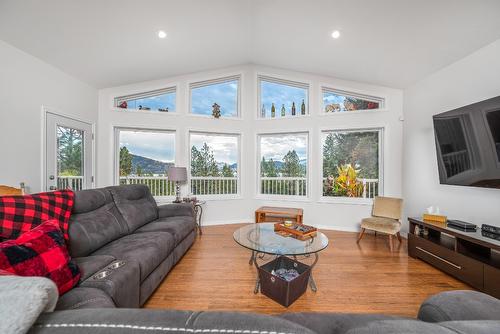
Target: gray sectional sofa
{"x": 124, "y": 244}
{"x": 456, "y": 312}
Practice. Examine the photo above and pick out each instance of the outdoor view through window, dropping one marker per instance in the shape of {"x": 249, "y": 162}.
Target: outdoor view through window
{"x": 214, "y": 163}
{"x": 337, "y": 101}
{"x": 224, "y": 94}
{"x": 351, "y": 163}
{"x": 282, "y": 98}
{"x": 283, "y": 164}
{"x": 145, "y": 157}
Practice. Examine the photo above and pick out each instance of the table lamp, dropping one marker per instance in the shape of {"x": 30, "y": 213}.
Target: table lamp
{"x": 177, "y": 175}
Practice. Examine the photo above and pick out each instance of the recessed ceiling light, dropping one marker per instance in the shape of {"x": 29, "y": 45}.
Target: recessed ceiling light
{"x": 162, "y": 34}
{"x": 335, "y": 34}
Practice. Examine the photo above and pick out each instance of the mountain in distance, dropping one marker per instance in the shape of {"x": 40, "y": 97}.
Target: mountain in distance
{"x": 149, "y": 166}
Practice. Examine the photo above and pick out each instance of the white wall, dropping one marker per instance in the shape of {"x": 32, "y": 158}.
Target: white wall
{"x": 342, "y": 216}
{"x": 472, "y": 79}
{"x": 27, "y": 83}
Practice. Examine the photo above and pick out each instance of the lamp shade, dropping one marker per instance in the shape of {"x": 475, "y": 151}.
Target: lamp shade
{"x": 178, "y": 174}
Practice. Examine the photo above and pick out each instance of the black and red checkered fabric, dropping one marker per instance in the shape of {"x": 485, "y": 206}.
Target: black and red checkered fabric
{"x": 41, "y": 252}
{"x": 19, "y": 214}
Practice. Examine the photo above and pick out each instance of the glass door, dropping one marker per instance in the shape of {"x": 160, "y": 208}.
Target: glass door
{"x": 68, "y": 153}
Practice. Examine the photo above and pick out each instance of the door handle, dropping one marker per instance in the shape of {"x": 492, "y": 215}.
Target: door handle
{"x": 53, "y": 188}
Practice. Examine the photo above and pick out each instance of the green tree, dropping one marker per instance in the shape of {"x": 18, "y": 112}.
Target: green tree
{"x": 125, "y": 161}
{"x": 291, "y": 165}
{"x": 69, "y": 153}
{"x": 227, "y": 171}
{"x": 138, "y": 170}
{"x": 203, "y": 162}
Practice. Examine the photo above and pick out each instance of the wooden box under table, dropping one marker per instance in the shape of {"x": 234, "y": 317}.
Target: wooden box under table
{"x": 471, "y": 257}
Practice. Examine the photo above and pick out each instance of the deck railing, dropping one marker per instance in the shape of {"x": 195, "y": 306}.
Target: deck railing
{"x": 286, "y": 186}
{"x": 159, "y": 185}
{"x": 70, "y": 182}
{"x": 214, "y": 185}
{"x": 370, "y": 187}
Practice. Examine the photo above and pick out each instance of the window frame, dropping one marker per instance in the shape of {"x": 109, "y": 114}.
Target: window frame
{"x": 151, "y": 92}
{"x": 278, "y": 79}
{"x": 380, "y": 98}
{"x": 381, "y": 153}
{"x": 116, "y": 153}
{"x": 213, "y": 80}
{"x": 291, "y": 198}
{"x": 215, "y": 197}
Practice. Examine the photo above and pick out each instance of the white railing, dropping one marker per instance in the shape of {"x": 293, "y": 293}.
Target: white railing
{"x": 70, "y": 182}
{"x": 214, "y": 185}
{"x": 370, "y": 187}
{"x": 456, "y": 162}
{"x": 288, "y": 186}
{"x": 159, "y": 185}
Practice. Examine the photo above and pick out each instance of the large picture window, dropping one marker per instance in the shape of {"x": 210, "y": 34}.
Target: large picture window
{"x": 338, "y": 101}
{"x": 144, "y": 157}
{"x": 224, "y": 93}
{"x": 283, "y": 164}
{"x": 214, "y": 163}
{"x": 282, "y": 98}
{"x": 351, "y": 164}
{"x": 162, "y": 100}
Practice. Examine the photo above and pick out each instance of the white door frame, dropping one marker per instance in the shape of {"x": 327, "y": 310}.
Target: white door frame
{"x": 43, "y": 140}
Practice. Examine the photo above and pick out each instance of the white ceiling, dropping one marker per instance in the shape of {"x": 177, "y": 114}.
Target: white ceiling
{"x": 113, "y": 42}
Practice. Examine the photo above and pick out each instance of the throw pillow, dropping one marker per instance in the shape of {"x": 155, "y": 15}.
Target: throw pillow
{"x": 19, "y": 214}
{"x": 41, "y": 252}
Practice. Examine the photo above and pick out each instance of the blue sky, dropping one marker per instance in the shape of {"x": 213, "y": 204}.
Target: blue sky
{"x": 281, "y": 94}
{"x": 329, "y": 98}
{"x": 225, "y": 94}
{"x": 225, "y": 147}
{"x": 276, "y": 146}
{"x": 155, "y": 102}
{"x": 154, "y": 145}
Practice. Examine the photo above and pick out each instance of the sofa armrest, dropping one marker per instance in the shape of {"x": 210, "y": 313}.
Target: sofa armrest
{"x": 175, "y": 209}
{"x": 459, "y": 305}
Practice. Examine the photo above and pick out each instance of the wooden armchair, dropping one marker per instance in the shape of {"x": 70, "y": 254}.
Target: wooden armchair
{"x": 386, "y": 218}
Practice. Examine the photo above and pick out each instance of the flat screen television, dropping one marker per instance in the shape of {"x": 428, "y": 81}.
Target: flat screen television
{"x": 468, "y": 145}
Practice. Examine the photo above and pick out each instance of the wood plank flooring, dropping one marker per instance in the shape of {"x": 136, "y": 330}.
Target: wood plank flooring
{"x": 215, "y": 275}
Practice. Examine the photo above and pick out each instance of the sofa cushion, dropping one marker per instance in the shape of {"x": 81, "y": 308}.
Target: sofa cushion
{"x": 459, "y": 305}
{"x": 146, "y": 249}
{"x": 338, "y": 323}
{"x": 473, "y": 326}
{"x": 178, "y": 226}
{"x": 80, "y": 298}
{"x": 89, "y": 265}
{"x": 95, "y": 221}
{"x": 400, "y": 327}
{"x": 136, "y": 204}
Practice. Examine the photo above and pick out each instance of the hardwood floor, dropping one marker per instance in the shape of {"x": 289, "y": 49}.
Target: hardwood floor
{"x": 215, "y": 275}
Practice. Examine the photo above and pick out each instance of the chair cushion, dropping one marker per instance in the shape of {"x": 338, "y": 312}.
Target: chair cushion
{"x": 80, "y": 298}
{"x": 178, "y": 226}
{"x": 459, "y": 305}
{"x": 95, "y": 221}
{"x": 136, "y": 204}
{"x": 148, "y": 250}
{"x": 379, "y": 224}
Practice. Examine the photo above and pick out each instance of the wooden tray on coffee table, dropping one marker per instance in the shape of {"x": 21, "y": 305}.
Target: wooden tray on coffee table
{"x": 299, "y": 231}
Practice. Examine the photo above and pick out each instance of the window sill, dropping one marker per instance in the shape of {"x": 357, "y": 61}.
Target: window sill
{"x": 346, "y": 200}
{"x": 144, "y": 112}
{"x": 224, "y": 118}
{"x": 354, "y": 112}
{"x": 282, "y": 198}
{"x": 285, "y": 117}
{"x": 213, "y": 198}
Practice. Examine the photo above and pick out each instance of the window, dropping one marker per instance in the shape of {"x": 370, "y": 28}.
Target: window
{"x": 214, "y": 163}
{"x": 351, "y": 164}
{"x": 335, "y": 101}
{"x": 283, "y": 164}
{"x": 144, "y": 157}
{"x": 162, "y": 100}
{"x": 282, "y": 98}
{"x": 224, "y": 92}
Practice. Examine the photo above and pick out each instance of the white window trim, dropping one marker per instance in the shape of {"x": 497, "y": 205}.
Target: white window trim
{"x": 216, "y": 80}
{"x": 290, "y": 198}
{"x": 174, "y": 87}
{"x": 352, "y": 93}
{"x": 381, "y": 153}
{"x": 220, "y": 197}
{"x": 280, "y": 79}
{"x": 116, "y": 154}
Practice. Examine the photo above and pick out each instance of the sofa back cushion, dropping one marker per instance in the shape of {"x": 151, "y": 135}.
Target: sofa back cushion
{"x": 136, "y": 204}
{"x": 95, "y": 221}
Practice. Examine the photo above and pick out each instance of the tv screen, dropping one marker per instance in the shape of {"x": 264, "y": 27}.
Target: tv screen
{"x": 468, "y": 145}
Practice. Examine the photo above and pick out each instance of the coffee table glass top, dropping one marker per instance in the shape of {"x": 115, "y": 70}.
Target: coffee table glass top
{"x": 262, "y": 238}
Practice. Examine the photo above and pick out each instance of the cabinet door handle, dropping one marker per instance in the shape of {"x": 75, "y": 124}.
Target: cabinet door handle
{"x": 439, "y": 258}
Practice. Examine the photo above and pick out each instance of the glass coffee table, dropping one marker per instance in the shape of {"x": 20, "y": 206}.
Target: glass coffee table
{"x": 262, "y": 240}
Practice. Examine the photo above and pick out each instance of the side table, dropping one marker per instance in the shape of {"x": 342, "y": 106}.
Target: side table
{"x": 198, "y": 213}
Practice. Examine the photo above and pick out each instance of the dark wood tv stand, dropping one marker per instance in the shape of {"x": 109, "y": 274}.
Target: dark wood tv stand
{"x": 469, "y": 256}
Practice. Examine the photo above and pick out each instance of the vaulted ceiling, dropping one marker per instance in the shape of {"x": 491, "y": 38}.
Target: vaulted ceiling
{"x": 114, "y": 42}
